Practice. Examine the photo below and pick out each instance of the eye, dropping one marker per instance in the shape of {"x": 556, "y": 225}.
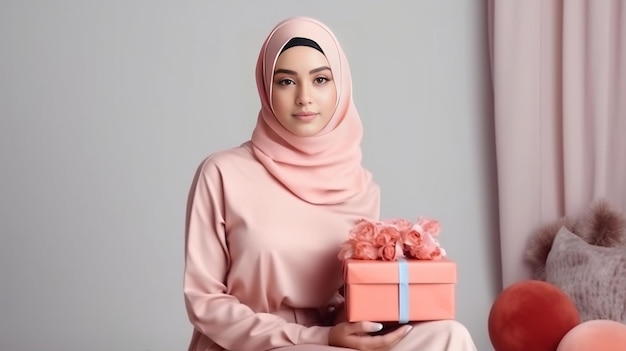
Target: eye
{"x": 321, "y": 80}
{"x": 286, "y": 81}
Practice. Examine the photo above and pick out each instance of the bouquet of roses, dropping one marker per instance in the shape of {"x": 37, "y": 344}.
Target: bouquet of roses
{"x": 391, "y": 239}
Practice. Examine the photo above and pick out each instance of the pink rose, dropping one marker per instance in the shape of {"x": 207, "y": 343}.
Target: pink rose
{"x": 392, "y": 239}
{"x": 391, "y": 251}
{"x": 429, "y": 249}
{"x": 346, "y": 250}
{"x": 364, "y": 230}
{"x": 387, "y": 235}
{"x": 420, "y": 253}
{"x": 412, "y": 237}
{"x": 364, "y": 250}
{"x": 430, "y": 226}
{"x": 437, "y": 254}
{"x": 433, "y": 247}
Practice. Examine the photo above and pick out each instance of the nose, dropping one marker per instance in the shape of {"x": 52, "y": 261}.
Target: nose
{"x": 303, "y": 96}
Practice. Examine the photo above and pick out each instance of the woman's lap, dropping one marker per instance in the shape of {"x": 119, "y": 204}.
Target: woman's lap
{"x": 313, "y": 348}
{"x": 447, "y": 335}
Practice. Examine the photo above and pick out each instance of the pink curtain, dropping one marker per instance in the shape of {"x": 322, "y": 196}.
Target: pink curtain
{"x": 559, "y": 80}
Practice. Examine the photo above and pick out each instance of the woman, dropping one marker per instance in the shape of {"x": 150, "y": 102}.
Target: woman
{"x": 265, "y": 220}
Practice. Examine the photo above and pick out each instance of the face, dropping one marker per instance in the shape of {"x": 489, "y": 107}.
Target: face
{"x": 303, "y": 91}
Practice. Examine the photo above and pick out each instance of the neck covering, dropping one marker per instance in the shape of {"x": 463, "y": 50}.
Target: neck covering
{"x": 324, "y": 168}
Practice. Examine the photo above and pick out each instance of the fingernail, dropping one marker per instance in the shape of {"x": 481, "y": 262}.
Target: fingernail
{"x": 408, "y": 329}
{"x": 377, "y": 327}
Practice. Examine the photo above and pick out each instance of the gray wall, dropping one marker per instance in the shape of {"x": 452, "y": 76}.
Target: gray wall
{"x": 107, "y": 107}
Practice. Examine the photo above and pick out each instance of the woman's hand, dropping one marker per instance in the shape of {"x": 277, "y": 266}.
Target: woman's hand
{"x": 355, "y": 336}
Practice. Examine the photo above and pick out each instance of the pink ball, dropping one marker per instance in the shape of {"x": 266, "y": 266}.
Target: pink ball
{"x": 595, "y": 335}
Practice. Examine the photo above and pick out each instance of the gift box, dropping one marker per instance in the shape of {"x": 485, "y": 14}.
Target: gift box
{"x": 399, "y": 291}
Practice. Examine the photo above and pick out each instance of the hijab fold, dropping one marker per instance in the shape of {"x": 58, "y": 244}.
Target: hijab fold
{"x": 324, "y": 168}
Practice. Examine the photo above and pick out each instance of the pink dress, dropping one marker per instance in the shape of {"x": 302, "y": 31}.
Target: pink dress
{"x": 260, "y": 262}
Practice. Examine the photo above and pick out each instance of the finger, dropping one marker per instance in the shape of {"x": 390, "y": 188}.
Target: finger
{"x": 389, "y": 339}
{"x": 402, "y": 330}
{"x": 396, "y": 335}
{"x": 363, "y": 327}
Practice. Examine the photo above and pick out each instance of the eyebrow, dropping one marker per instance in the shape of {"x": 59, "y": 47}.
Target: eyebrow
{"x": 313, "y": 71}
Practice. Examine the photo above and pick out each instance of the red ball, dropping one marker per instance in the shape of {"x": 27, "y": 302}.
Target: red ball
{"x": 531, "y": 315}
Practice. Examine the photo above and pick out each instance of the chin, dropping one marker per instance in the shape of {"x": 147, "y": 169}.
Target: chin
{"x": 305, "y": 131}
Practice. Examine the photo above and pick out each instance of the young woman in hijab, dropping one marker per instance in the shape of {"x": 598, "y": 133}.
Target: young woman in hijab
{"x": 265, "y": 220}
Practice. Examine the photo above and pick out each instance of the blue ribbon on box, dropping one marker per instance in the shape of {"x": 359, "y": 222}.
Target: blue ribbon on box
{"x": 403, "y": 291}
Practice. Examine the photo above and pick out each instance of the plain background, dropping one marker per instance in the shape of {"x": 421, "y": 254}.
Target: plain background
{"x": 107, "y": 107}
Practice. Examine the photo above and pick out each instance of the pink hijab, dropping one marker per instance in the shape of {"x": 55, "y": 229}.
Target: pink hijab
{"x": 324, "y": 168}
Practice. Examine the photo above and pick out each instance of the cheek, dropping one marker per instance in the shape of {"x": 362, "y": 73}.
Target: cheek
{"x": 278, "y": 103}
{"x": 330, "y": 100}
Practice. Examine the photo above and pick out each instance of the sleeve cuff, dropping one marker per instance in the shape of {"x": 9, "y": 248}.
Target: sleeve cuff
{"x": 314, "y": 335}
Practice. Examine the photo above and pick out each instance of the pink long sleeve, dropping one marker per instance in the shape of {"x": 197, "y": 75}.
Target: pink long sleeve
{"x": 253, "y": 249}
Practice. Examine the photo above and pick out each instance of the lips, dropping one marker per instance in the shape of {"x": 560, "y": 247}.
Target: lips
{"x": 305, "y": 115}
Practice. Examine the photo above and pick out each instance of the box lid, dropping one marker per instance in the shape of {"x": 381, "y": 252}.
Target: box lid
{"x": 386, "y": 272}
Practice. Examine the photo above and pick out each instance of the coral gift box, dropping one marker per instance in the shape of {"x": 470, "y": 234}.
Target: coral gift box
{"x": 399, "y": 291}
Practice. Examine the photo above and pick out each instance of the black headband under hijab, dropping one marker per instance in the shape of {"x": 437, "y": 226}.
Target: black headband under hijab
{"x": 298, "y": 41}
